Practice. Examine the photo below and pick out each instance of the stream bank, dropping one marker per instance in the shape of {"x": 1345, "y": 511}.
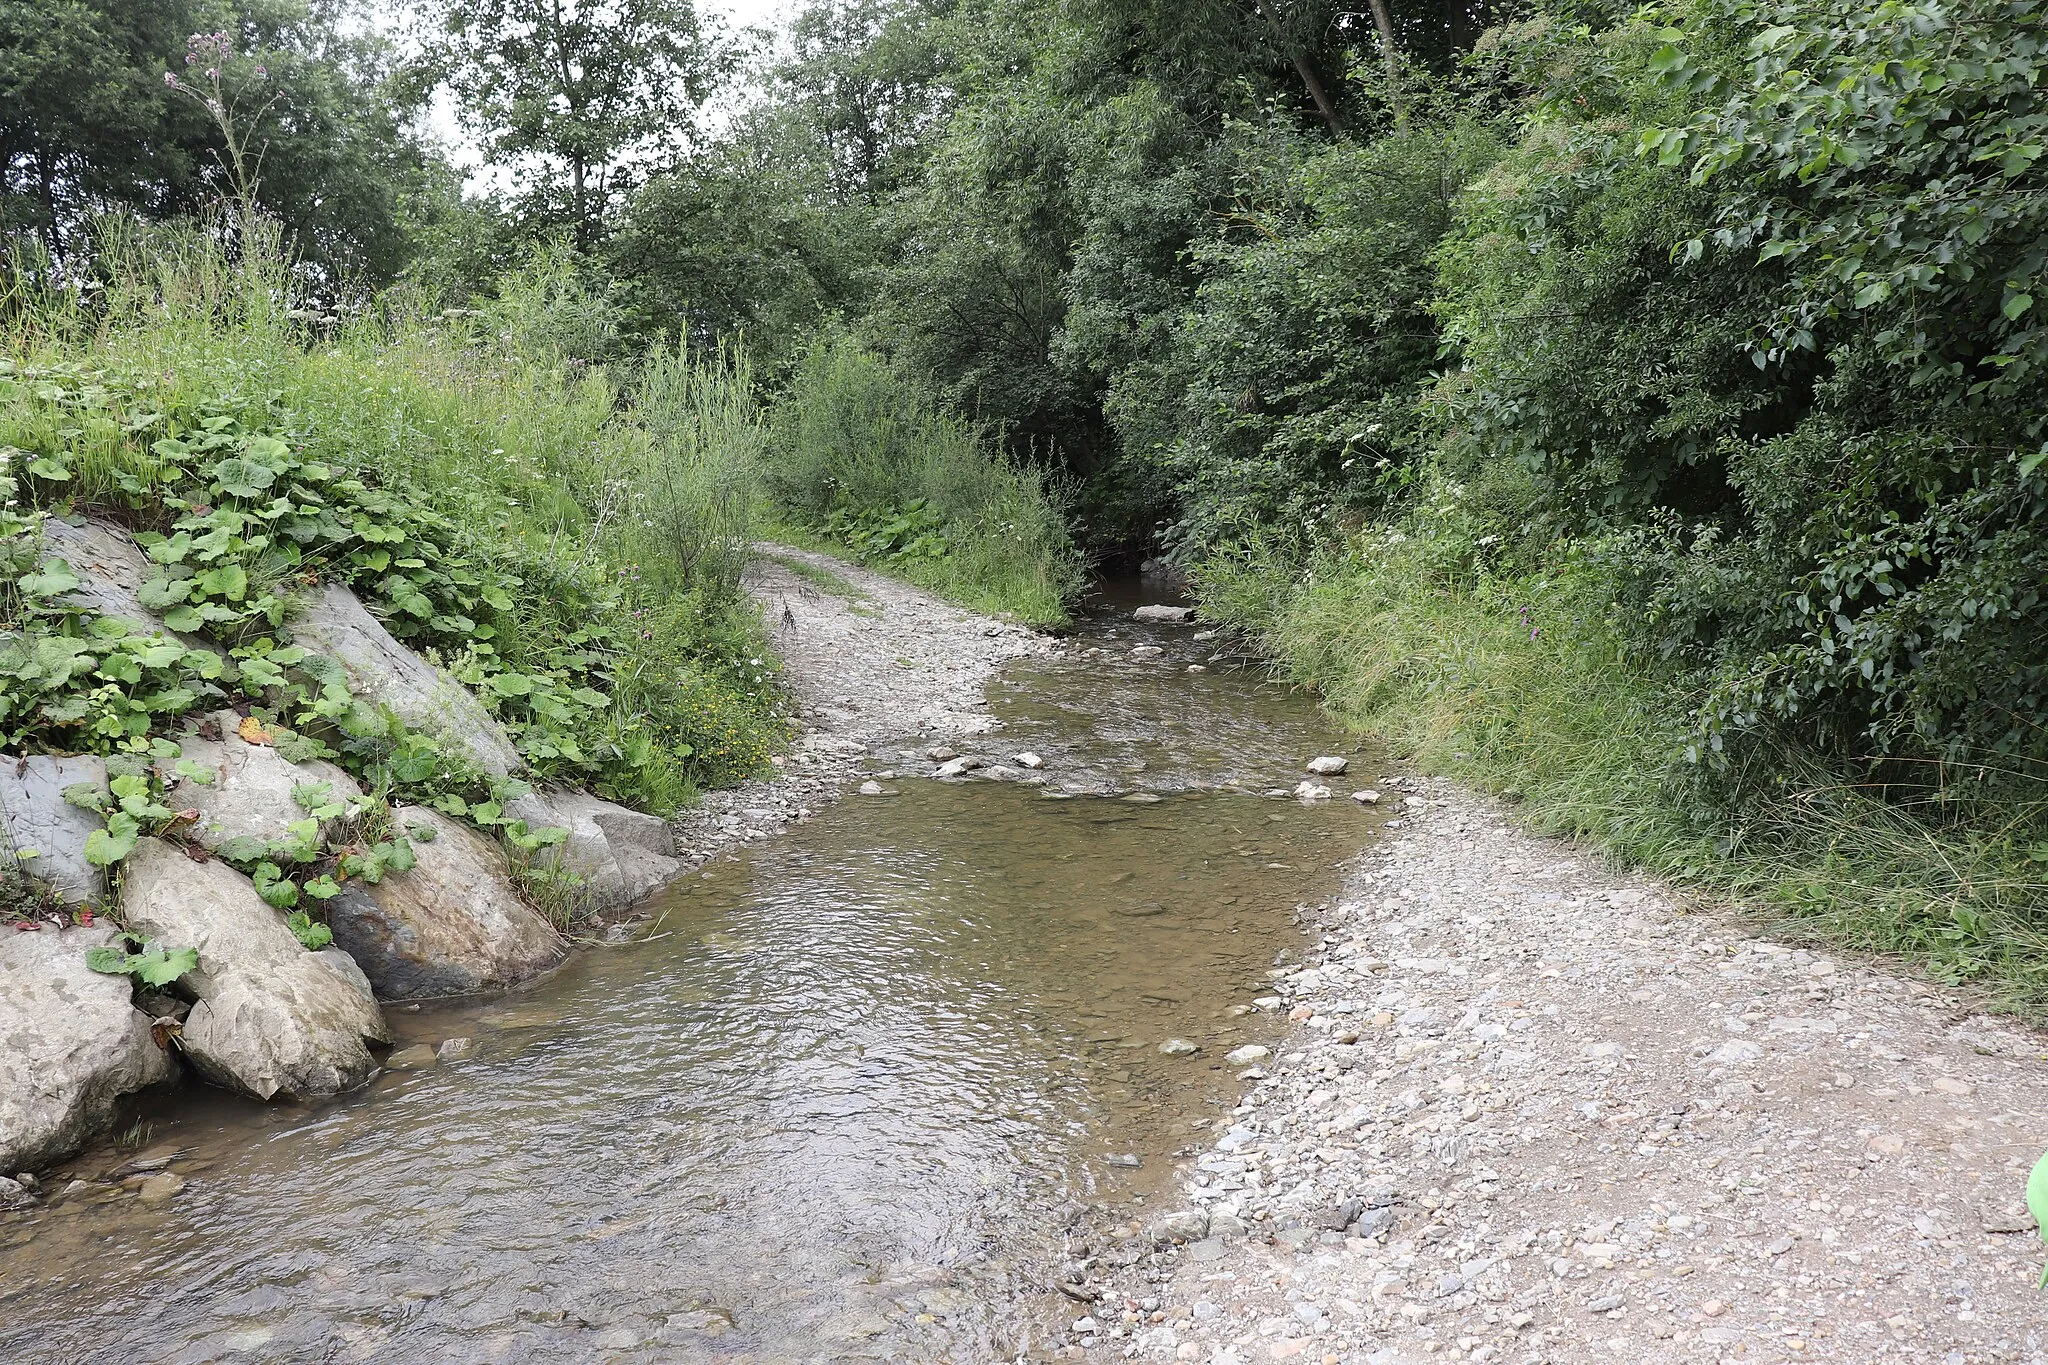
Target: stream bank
{"x": 1535, "y": 1110}
{"x": 842, "y": 1094}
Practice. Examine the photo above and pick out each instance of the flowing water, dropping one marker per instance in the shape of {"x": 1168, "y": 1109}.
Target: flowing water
{"x": 842, "y": 1101}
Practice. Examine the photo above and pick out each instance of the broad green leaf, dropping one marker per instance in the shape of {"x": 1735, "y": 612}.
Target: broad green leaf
{"x": 161, "y": 966}
{"x": 110, "y": 961}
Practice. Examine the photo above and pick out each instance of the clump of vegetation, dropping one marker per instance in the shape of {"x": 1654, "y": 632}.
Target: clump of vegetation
{"x": 865, "y": 460}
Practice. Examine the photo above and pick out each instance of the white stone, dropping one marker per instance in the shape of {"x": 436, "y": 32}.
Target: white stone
{"x": 271, "y": 1018}
{"x": 38, "y": 817}
{"x": 1161, "y": 615}
{"x": 1027, "y": 759}
{"x": 250, "y": 791}
{"x": 1329, "y": 765}
{"x": 383, "y": 671}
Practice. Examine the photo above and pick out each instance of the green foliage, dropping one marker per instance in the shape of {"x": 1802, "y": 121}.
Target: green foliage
{"x": 863, "y": 456}
{"x": 2037, "y": 1204}
{"x": 151, "y": 964}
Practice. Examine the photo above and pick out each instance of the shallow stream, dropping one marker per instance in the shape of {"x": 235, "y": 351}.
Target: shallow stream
{"x": 843, "y": 1100}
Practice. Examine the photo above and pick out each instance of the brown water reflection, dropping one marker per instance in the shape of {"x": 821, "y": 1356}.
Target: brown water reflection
{"x": 837, "y": 1105}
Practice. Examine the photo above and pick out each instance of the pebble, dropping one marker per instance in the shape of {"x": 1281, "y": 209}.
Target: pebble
{"x": 1329, "y": 765}
{"x": 1368, "y": 797}
{"x": 1529, "y": 1102}
{"x": 1179, "y": 1047}
{"x": 1027, "y": 759}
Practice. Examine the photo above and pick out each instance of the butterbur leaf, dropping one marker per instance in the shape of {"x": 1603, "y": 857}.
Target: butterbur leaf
{"x": 157, "y": 966}
{"x": 47, "y": 468}
{"x": 243, "y": 848}
{"x": 105, "y": 847}
{"x": 54, "y": 579}
{"x": 2037, "y": 1204}
{"x": 109, "y": 961}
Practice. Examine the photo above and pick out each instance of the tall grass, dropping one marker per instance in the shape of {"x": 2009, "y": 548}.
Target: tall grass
{"x": 858, "y": 447}
{"x": 620, "y": 499}
{"x": 1518, "y": 682}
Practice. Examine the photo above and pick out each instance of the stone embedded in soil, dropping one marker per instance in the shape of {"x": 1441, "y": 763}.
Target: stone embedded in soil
{"x": 383, "y": 671}
{"x": 248, "y": 788}
{"x": 618, "y": 856}
{"x": 1179, "y": 1047}
{"x": 1329, "y": 765}
{"x": 1248, "y": 1054}
{"x": 37, "y": 816}
{"x": 71, "y": 1045}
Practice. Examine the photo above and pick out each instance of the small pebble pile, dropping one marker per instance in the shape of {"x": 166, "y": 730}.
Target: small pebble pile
{"x": 1537, "y": 1111}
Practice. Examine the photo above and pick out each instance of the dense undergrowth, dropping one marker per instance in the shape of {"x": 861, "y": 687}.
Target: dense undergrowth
{"x": 867, "y": 462}
{"x": 566, "y": 543}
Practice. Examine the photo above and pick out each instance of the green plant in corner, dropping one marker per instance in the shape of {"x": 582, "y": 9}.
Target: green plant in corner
{"x": 2037, "y": 1204}
{"x": 151, "y": 963}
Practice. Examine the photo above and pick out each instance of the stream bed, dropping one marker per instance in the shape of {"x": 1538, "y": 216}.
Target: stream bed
{"x": 849, "y": 1095}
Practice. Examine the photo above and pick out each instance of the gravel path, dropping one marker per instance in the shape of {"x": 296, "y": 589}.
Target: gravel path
{"x": 1535, "y": 1110}
{"x": 868, "y": 659}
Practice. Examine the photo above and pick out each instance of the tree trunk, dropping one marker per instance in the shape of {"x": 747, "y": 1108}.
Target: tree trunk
{"x": 1306, "y": 68}
{"x": 1384, "y": 22}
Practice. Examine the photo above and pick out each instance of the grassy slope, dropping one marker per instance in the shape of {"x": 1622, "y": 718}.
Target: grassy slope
{"x": 1516, "y": 686}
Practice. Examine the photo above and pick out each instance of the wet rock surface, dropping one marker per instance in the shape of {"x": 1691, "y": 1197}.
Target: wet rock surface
{"x": 71, "y": 1046}
{"x": 1534, "y": 1110}
{"x": 452, "y": 925}
{"x": 270, "y": 1017}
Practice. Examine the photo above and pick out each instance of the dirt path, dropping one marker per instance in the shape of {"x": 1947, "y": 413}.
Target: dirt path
{"x": 1561, "y": 1120}
{"x": 868, "y": 659}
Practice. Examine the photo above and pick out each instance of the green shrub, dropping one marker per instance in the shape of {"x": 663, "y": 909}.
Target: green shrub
{"x": 865, "y": 457}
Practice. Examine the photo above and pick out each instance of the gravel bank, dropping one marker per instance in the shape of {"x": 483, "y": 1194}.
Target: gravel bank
{"x": 1535, "y": 1110}
{"x": 877, "y": 660}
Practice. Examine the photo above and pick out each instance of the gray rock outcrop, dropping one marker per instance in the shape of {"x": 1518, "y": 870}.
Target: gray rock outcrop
{"x": 37, "y": 816}
{"x": 381, "y": 670}
{"x": 271, "y": 1018}
{"x": 618, "y": 854}
{"x": 71, "y": 1045}
{"x": 251, "y": 791}
{"x": 452, "y": 925}
{"x": 112, "y": 569}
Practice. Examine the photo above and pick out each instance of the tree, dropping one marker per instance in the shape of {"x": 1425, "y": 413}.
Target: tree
{"x": 88, "y": 124}
{"x": 579, "y": 98}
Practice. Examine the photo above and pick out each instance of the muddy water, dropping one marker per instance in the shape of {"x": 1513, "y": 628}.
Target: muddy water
{"x": 840, "y": 1102}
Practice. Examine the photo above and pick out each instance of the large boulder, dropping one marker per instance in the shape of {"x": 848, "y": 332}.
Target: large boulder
{"x": 270, "y": 1018}
{"x": 37, "y": 816}
{"x": 250, "y": 790}
{"x": 71, "y": 1045}
{"x": 618, "y": 855}
{"x": 113, "y": 569}
{"x": 380, "y": 669}
{"x": 452, "y": 925}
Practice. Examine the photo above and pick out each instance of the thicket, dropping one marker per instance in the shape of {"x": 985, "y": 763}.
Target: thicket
{"x": 566, "y": 544}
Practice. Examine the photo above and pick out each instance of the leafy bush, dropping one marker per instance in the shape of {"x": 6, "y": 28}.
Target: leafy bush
{"x": 865, "y": 457}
